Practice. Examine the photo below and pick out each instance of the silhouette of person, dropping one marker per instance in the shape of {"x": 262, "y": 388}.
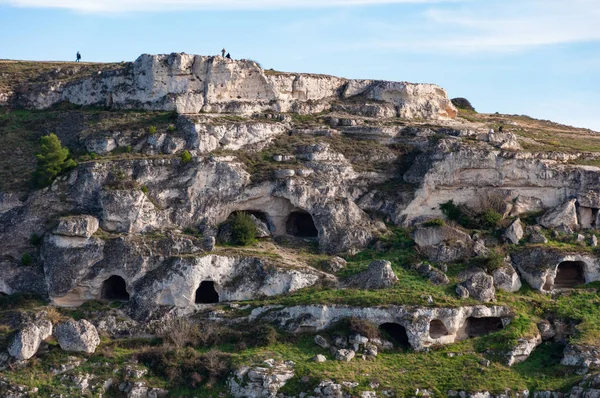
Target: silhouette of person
{"x": 78, "y": 57}
{"x": 500, "y": 129}
{"x": 228, "y": 56}
{"x": 223, "y": 51}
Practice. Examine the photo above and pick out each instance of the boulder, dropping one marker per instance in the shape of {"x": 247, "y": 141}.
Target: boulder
{"x": 262, "y": 381}
{"x": 79, "y": 226}
{"x": 506, "y": 278}
{"x": 335, "y": 264}
{"x": 523, "y": 349}
{"x": 319, "y": 358}
{"x": 379, "y": 275}
{"x": 546, "y": 330}
{"x": 434, "y": 275}
{"x": 433, "y": 236}
{"x": 344, "y": 355}
{"x": 321, "y": 341}
{"x": 262, "y": 229}
{"x": 564, "y": 215}
{"x": 583, "y": 356}
{"x": 26, "y": 341}
{"x": 77, "y": 336}
{"x": 538, "y": 237}
{"x": 480, "y": 286}
{"x": 514, "y": 233}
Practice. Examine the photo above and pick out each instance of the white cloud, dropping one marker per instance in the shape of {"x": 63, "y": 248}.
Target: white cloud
{"x": 116, "y": 6}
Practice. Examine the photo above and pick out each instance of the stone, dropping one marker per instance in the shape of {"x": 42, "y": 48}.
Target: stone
{"x": 284, "y": 173}
{"x": 564, "y": 215}
{"x": 78, "y": 226}
{"x": 433, "y": 236}
{"x": 514, "y": 233}
{"x": 462, "y": 292}
{"x": 77, "y": 336}
{"x": 319, "y": 358}
{"x": 335, "y": 264}
{"x": 594, "y": 241}
{"x": 26, "y": 341}
{"x": 546, "y": 329}
{"x": 506, "y": 278}
{"x": 321, "y": 341}
{"x": 480, "y": 286}
{"x": 262, "y": 229}
{"x": 521, "y": 351}
{"x": 344, "y": 355}
{"x": 537, "y": 237}
{"x": 580, "y": 238}
{"x": 582, "y": 356}
{"x": 379, "y": 275}
{"x": 258, "y": 381}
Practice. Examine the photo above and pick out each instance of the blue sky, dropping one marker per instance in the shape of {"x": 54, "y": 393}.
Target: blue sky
{"x": 535, "y": 57}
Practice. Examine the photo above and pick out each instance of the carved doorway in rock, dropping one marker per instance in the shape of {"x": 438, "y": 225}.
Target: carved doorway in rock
{"x": 481, "y": 326}
{"x": 206, "y": 293}
{"x": 437, "y": 329}
{"x": 569, "y": 274}
{"x": 301, "y": 224}
{"x": 114, "y": 289}
{"x": 396, "y": 333}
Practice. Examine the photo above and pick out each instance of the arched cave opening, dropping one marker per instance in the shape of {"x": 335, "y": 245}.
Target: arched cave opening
{"x": 437, "y": 329}
{"x": 481, "y": 326}
{"x": 301, "y": 224}
{"x": 114, "y": 289}
{"x": 569, "y": 274}
{"x": 206, "y": 293}
{"x": 396, "y": 333}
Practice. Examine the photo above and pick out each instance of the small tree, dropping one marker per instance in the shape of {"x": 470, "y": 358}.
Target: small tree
{"x": 243, "y": 230}
{"x": 52, "y": 159}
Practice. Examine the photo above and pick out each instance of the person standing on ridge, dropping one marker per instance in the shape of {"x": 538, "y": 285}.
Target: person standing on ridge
{"x": 223, "y": 51}
{"x": 78, "y": 57}
{"x": 228, "y": 56}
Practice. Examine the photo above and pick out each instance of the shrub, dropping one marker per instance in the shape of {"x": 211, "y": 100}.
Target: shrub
{"x": 457, "y": 213}
{"x": 171, "y": 128}
{"x": 152, "y": 129}
{"x": 243, "y": 230}
{"x": 179, "y": 332}
{"x": 490, "y": 218}
{"x": 364, "y": 328}
{"x": 35, "y": 239}
{"x": 52, "y": 159}
{"x": 186, "y": 156}
{"x": 463, "y": 103}
{"x": 144, "y": 189}
{"x": 26, "y": 259}
{"x": 436, "y": 222}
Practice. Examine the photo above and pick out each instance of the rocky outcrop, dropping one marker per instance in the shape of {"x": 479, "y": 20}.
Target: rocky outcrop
{"x": 582, "y": 356}
{"x": 506, "y": 278}
{"x": 524, "y": 347}
{"x": 443, "y": 243}
{"x": 379, "y": 275}
{"x": 77, "y": 336}
{"x": 480, "y": 286}
{"x": 194, "y": 83}
{"x": 458, "y": 323}
{"x": 262, "y": 381}
{"x": 77, "y": 226}
{"x": 564, "y": 216}
{"x": 514, "y": 233}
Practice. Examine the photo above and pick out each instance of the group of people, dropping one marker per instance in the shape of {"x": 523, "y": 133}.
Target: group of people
{"x": 223, "y": 51}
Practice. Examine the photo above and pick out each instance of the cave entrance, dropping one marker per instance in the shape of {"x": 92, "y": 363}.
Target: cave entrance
{"x": 206, "y": 293}
{"x": 481, "y": 326}
{"x": 301, "y": 224}
{"x": 397, "y": 334}
{"x": 569, "y": 274}
{"x": 437, "y": 329}
{"x": 114, "y": 289}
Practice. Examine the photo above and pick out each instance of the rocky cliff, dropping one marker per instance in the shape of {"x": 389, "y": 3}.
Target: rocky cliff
{"x": 363, "y": 238}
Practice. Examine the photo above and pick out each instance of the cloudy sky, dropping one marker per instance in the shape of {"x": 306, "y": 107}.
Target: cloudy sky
{"x": 534, "y": 57}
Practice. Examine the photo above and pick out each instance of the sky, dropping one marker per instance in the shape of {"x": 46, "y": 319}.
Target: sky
{"x": 534, "y": 57}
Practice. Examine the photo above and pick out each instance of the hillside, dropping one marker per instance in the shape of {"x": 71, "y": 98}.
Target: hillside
{"x": 230, "y": 231}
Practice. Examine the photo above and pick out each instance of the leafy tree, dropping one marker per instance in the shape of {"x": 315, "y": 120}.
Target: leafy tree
{"x": 52, "y": 159}
{"x": 243, "y": 230}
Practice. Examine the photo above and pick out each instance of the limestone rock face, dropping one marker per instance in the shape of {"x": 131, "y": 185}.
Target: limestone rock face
{"x": 582, "y": 356}
{"x": 480, "y": 286}
{"x": 415, "y": 320}
{"x": 78, "y": 226}
{"x": 190, "y": 84}
{"x": 443, "y": 244}
{"x": 77, "y": 336}
{"x": 26, "y": 342}
{"x": 263, "y": 381}
{"x": 379, "y": 275}
{"x": 564, "y": 215}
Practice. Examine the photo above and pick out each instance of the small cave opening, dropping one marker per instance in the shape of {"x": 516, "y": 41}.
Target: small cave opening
{"x": 569, "y": 274}
{"x": 301, "y": 224}
{"x": 437, "y": 329}
{"x": 114, "y": 289}
{"x": 481, "y": 326}
{"x": 396, "y": 333}
{"x": 206, "y": 293}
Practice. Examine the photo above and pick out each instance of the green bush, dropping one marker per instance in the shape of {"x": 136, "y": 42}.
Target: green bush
{"x": 186, "y": 156}
{"x": 243, "y": 230}
{"x": 152, "y": 129}
{"x": 144, "y": 189}
{"x": 171, "y": 128}
{"x": 35, "y": 239}
{"x": 436, "y": 222}
{"x": 26, "y": 259}
{"x": 52, "y": 159}
{"x": 490, "y": 218}
{"x": 457, "y": 213}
